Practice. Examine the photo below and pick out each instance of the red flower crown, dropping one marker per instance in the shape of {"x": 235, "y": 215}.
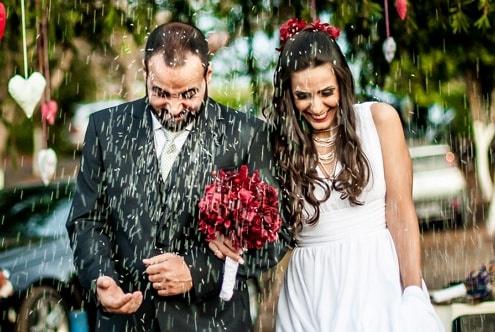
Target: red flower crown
{"x": 293, "y": 25}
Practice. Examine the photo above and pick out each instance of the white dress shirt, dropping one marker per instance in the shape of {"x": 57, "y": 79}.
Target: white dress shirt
{"x": 160, "y": 139}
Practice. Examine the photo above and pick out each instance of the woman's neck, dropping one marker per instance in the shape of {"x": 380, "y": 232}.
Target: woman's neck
{"x": 324, "y": 134}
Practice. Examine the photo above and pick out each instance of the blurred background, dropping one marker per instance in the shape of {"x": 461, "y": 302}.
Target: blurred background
{"x": 440, "y": 79}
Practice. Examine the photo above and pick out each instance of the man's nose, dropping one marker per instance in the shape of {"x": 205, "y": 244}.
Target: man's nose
{"x": 175, "y": 107}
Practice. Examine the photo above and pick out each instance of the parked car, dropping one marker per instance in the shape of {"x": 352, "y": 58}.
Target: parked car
{"x": 439, "y": 187}
{"x": 80, "y": 119}
{"x": 36, "y": 260}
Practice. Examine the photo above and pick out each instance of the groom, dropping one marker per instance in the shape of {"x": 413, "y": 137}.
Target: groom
{"x": 145, "y": 164}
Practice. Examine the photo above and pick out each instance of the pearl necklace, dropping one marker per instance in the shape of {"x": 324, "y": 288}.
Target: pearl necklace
{"x": 325, "y": 142}
{"x": 326, "y": 158}
{"x": 332, "y": 171}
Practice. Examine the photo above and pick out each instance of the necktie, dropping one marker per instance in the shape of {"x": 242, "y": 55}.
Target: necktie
{"x": 169, "y": 153}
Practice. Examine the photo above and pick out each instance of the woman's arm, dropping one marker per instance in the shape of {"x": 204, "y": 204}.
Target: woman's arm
{"x": 399, "y": 212}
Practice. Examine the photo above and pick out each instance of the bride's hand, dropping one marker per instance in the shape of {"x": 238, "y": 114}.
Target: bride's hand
{"x": 222, "y": 247}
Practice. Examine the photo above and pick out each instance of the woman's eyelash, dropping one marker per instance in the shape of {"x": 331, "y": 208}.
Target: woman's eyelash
{"x": 301, "y": 95}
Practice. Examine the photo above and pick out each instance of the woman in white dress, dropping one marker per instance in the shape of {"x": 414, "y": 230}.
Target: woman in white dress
{"x": 346, "y": 181}
{"x": 346, "y": 177}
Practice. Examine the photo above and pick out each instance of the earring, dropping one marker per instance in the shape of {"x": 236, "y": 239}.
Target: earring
{"x": 340, "y": 115}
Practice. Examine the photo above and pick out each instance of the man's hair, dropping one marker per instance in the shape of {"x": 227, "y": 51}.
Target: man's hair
{"x": 175, "y": 40}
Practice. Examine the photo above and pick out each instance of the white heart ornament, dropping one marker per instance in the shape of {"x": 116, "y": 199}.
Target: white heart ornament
{"x": 47, "y": 165}
{"x": 27, "y": 92}
{"x": 389, "y": 47}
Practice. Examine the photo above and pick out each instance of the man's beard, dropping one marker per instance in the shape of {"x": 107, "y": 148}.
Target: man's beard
{"x": 168, "y": 121}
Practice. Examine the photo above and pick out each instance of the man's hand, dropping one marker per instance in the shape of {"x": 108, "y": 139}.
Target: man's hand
{"x": 223, "y": 247}
{"x": 114, "y": 300}
{"x": 169, "y": 274}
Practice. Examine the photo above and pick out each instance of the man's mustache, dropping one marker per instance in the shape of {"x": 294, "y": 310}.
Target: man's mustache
{"x": 164, "y": 112}
{"x": 178, "y": 121}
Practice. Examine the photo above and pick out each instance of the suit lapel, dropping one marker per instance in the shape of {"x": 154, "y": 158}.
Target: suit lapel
{"x": 145, "y": 164}
{"x": 189, "y": 174}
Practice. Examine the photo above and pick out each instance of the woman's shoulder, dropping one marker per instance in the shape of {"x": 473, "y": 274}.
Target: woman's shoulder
{"x": 383, "y": 114}
{"x": 387, "y": 123}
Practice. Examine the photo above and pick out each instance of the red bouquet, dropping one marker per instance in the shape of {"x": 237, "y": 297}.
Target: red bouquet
{"x": 244, "y": 209}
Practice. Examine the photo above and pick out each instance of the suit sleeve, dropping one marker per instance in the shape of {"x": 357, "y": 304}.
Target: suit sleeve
{"x": 87, "y": 225}
{"x": 206, "y": 272}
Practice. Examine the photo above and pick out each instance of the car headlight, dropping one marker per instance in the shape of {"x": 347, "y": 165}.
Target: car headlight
{"x": 6, "y": 288}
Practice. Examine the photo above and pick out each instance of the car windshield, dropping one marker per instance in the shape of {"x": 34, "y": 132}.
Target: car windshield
{"x": 33, "y": 213}
{"x": 429, "y": 163}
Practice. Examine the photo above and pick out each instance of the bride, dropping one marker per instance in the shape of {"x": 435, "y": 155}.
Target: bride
{"x": 346, "y": 181}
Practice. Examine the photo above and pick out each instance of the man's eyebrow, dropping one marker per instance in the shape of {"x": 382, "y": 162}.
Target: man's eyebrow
{"x": 190, "y": 90}
{"x": 155, "y": 87}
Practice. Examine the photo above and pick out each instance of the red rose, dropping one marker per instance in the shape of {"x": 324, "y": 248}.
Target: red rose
{"x": 325, "y": 27}
{"x": 245, "y": 195}
{"x": 289, "y": 28}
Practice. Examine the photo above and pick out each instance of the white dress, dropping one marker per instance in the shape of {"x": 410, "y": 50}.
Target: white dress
{"x": 343, "y": 275}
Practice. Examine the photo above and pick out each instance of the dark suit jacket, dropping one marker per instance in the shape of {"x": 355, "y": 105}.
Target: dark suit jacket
{"x": 123, "y": 212}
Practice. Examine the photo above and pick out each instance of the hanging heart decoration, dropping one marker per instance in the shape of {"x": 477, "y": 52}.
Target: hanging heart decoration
{"x": 47, "y": 165}
{"x": 389, "y": 47}
{"x": 3, "y": 20}
{"x": 401, "y": 6}
{"x": 49, "y": 111}
{"x": 27, "y": 92}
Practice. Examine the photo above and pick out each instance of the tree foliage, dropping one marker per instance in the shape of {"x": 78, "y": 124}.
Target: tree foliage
{"x": 439, "y": 46}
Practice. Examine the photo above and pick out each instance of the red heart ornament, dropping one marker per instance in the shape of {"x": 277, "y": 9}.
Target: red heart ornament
{"x": 401, "y": 6}
{"x": 3, "y": 20}
{"x": 49, "y": 111}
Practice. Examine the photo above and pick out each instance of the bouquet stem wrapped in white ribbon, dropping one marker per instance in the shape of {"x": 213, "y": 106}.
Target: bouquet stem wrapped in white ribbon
{"x": 229, "y": 275}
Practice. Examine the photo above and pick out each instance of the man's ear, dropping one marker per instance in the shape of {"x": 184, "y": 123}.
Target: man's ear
{"x": 209, "y": 73}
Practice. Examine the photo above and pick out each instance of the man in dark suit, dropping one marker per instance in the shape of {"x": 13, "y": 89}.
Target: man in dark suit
{"x": 145, "y": 164}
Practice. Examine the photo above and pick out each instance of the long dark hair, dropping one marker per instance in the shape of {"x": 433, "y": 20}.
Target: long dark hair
{"x": 294, "y": 150}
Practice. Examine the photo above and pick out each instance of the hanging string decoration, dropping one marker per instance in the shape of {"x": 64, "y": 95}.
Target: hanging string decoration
{"x": 49, "y": 110}
{"x": 26, "y": 91}
{"x": 49, "y": 107}
{"x": 3, "y": 20}
{"x": 47, "y": 164}
{"x": 389, "y": 47}
{"x": 47, "y": 158}
{"x": 401, "y": 7}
